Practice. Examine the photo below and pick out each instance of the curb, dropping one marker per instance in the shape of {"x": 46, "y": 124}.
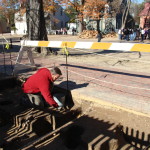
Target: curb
{"x": 76, "y": 95}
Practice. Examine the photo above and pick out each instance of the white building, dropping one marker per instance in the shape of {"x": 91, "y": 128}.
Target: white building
{"x": 54, "y": 21}
{"x": 20, "y": 23}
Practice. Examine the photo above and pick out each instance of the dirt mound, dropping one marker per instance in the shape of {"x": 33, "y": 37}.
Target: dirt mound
{"x": 110, "y": 35}
{"x": 86, "y": 34}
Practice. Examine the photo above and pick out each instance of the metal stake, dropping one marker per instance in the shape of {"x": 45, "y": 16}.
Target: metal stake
{"x": 67, "y": 71}
{"x": 4, "y": 57}
{"x": 11, "y": 63}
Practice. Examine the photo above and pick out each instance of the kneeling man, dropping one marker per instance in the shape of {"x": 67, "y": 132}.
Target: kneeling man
{"x": 38, "y": 87}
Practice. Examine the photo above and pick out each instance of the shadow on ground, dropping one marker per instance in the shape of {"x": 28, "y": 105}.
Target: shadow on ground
{"x": 72, "y": 85}
{"x": 108, "y": 71}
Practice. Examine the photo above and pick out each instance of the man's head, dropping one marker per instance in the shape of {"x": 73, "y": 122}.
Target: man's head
{"x": 56, "y": 73}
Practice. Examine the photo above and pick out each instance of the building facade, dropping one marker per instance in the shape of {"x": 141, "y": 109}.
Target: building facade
{"x": 20, "y": 24}
{"x": 54, "y": 21}
{"x": 145, "y": 16}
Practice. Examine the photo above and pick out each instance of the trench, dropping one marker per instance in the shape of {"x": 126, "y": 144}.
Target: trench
{"x": 31, "y": 128}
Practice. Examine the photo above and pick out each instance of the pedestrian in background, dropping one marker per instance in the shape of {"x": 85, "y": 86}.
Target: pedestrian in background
{"x": 137, "y": 34}
{"x": 120, "y": 34}
{"x": 126, "y": 34}
{"x": 65, "y": 31}
{"x": 146, "y": 34}
{"x": 142, "y": 34}
{"x": 149, "y": 33}
{"x": 73, "y": 31}
{"x": 99, "y": 36}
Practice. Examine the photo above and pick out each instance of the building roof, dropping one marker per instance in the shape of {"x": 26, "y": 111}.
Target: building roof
{"x": 146, "y": 10}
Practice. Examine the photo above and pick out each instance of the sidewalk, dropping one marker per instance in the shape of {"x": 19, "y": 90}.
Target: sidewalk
{"x": 76, "y": 38}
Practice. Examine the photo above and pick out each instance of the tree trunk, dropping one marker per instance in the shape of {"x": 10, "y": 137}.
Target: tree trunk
{"x": 124, "y": 18}
{"x": 36, "y": 28}
{"x": 81, "y": 20}
{"x": 80, "y": 26}
{"x": 98, "y": 27}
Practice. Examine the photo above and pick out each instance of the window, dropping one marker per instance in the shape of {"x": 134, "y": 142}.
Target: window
{"x": 147, "y": 23}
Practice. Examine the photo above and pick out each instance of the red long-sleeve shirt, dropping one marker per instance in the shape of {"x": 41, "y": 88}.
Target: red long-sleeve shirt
{"x": 40, "y": 82}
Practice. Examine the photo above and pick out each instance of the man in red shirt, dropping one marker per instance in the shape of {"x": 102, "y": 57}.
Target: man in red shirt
{"x": 39, "y": 86}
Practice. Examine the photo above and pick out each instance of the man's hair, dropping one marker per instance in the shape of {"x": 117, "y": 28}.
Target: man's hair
{"x": 55, "y": 71}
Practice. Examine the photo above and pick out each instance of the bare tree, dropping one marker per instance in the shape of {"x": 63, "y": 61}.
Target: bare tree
{"x": 125, "y": 13}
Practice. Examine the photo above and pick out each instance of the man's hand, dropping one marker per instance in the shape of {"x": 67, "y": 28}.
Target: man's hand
{"x": 55, "y": 105}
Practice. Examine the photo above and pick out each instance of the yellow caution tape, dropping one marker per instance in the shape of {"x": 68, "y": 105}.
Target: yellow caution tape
{"x": 7, "y": 46}
{"x": 65, "y": 51}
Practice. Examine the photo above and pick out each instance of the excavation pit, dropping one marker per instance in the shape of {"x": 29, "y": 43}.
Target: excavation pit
{"x": 92, "y": 126}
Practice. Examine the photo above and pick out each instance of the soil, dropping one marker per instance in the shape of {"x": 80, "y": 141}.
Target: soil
{"x": 96, "y": 127}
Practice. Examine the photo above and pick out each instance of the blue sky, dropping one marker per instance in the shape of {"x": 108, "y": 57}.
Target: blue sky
{"x": 139, "y": 1}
